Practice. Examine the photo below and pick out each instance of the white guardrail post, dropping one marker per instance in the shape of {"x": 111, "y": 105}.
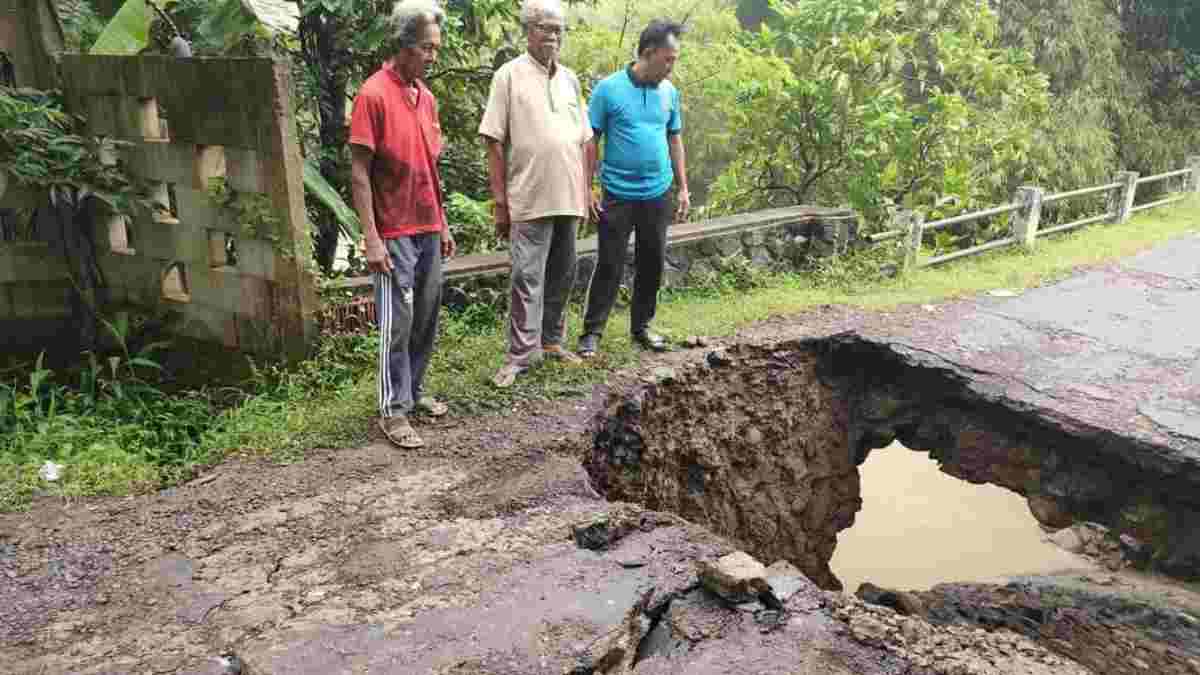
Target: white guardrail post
{"x": 1121, "y": 204}
{"x": 915, "y": 223}
{"x": 1193, "y": 163}
{"x": 1025, "y": 222}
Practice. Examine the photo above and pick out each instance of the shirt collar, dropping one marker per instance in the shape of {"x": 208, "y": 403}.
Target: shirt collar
{"x": 643, "y": 84}
{"x": 538, "y": 64}
{"x": 391, "y": 71}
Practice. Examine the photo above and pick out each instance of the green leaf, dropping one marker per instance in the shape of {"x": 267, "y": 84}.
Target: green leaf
{"x": 227, "y": 24}
{"x": 316, "y": 185}
{"x": 128, "y": 32}
{"x": 145, "y": 363}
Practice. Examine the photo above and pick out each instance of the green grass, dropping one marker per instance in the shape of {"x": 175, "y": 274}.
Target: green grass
{"x": 329, "y": 402}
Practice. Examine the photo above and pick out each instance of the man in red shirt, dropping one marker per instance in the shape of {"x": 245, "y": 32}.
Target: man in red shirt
{"x": 395, "y": 140}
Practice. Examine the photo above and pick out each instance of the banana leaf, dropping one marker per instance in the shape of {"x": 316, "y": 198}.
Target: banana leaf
{"x": 316, "y": 185}
{"x": 128, "y": 32}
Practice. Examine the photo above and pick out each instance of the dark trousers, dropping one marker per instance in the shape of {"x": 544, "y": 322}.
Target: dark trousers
{"x": 648, "y": 221}
{"x": 407, "y": 302}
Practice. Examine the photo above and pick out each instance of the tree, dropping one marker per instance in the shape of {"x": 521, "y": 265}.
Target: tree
{"x": 881, "y": 103}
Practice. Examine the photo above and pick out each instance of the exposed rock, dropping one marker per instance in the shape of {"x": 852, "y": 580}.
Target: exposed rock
{"x": 1134, "y": 551}
{"x": 737, "y": 577}
{"x": 616, "y": 651}
{"x": 786, "y": 580}
{"x": 1049, "y": 513}
{"x": 949, "y": 650}
{"x": 727, "y": 246}
{"x": 718, "y": 358}
{"x": 604, "y": 531}
{"x": 1095, "y": 624}
{"x": 760, "y": 256}
{"x": 903, "y": 602}
{"x": 1068, "y": 539}
{"x": 664, "y": 374}
{"x": 752, "y": 239}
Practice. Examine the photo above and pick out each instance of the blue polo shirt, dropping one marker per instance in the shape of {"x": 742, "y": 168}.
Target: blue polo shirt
{"x": 635, "y": 119}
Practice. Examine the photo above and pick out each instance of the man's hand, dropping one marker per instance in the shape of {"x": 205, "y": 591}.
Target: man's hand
{"x": 377, "y": 256}
{"x": 448, "y": 246}
{"x": 684, "y": 207}
{"x": 594, "y": 207}
{"x": 503, "y": 221}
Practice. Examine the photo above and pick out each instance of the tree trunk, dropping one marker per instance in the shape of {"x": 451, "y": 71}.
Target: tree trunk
{"x": 319, "y": 32}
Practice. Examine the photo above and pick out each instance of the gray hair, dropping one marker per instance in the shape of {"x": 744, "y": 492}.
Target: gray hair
{"x": 533, "y": 10}
{"x": 409, "y": 18}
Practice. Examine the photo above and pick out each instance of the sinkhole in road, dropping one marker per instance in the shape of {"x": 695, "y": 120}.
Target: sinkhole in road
{"x": 770, "y": 445}
{"x": 919, "y": 527}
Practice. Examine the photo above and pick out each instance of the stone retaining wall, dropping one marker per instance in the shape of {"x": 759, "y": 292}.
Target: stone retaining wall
{"x": 694, "y": 262}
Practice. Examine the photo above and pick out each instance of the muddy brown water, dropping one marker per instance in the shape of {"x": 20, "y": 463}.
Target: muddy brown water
{"x": 919, "y": 527}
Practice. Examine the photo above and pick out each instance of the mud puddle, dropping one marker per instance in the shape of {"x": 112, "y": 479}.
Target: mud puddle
{"x": 919, "y": 527}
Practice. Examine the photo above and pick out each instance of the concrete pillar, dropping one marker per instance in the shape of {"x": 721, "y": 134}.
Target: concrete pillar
{"x": 1121, "y": 202}
{"x": 1194, "y": 164}
{"x": 916, "y": 227}
{"x": 1025, "y": 222}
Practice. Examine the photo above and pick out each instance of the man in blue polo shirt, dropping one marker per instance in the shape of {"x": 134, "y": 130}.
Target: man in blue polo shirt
{"x": 636, "y": 112}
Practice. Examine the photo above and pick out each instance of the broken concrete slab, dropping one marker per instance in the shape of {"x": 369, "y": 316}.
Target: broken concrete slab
{"x": 737, "y": 577}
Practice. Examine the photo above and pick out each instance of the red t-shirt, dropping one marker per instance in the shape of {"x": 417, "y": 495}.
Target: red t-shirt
{"x": 399, "y": 122}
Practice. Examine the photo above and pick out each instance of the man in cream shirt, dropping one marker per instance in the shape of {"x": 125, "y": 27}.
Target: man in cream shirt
{"x": 537, "y": 134}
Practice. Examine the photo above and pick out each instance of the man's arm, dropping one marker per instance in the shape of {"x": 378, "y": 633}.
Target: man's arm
{"x": 361, "y": 157}
{"x": 679, "y": 165}
{"x": 591, "y": 150}
{"x": 498, "y": 176}
{"x": 449, "y": 247}
{"x": 494, "y": 130}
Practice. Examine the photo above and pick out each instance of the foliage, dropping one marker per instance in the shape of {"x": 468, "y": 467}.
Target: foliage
{"x": 471, "y": 221}
{"x": 43, "y": 146}
{"x": 128, "y": 32}
{"x": 880, "y": 103}
{"x": 317, "y": 186}
{"x": 81, "y": 25}
{"x": 849, "y": 273}
{"x": 114, "y": 416}
{"x": 252, "y": 211}
{"x": 729, "y": 274}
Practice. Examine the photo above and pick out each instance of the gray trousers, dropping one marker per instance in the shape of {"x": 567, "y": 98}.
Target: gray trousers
{"x": 407, "y": 302}
{"x": 543, "y": 272}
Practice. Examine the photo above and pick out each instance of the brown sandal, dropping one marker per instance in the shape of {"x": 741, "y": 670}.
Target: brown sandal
{"x": 400, "y": 433}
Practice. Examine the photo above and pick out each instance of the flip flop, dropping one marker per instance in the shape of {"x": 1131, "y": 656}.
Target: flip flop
{"x": 401, "y": 433}
{"x": 507, "y": 376}
{"x": 558, "y": 352}
{"x": 431, "y": 406}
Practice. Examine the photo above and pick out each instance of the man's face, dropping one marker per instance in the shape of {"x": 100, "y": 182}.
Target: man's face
{"x": 417, "y": 60}
{"x": 545, "y": 36}
{"x": 662, "y": 59}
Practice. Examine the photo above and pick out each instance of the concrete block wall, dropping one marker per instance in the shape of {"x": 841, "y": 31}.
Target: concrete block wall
{"x": 189, "y": 121}
{"x": 30, "y": 36}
